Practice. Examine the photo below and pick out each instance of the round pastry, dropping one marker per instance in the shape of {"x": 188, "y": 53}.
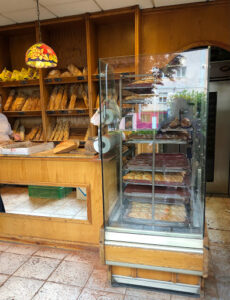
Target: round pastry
{"x": 185, "y": 122}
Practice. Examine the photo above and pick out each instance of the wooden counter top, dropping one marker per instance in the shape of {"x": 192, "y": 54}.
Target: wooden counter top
{"x": 78, "y": 154}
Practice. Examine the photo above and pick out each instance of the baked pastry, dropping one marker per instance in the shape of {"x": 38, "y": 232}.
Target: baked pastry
{"x": 158, "y": 177}
{"x": 66, "y": 74}
{"x": 19, "y": 102}
{"x": 9, "y": 100}
{"x": 74, "y": 70}
{"x": 185, "y": 123}
{"x": 73, "y": 97}
{"x": 54, "y": 74}
{"x": 64, "y": 98}
{"x": 58, "y": 98}
{"x": 175, "y": 123}
{"x": 53, "y": 98}
{"x": 162, "y": 212}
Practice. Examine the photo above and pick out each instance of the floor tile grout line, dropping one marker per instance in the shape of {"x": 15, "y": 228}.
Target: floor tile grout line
{"x": 11, "y": 275}
{"x": 86, "y": 282}
{"x": 45, "y": 281}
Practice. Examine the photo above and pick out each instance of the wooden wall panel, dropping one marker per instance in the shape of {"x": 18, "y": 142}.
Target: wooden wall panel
{"x": 116, "y": 39}
{"x": 19, "y": 43}
{"x": 69, "y": 42}
{"x": 171, "y": 30}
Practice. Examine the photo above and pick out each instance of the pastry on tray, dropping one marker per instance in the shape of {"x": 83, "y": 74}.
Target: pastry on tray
{"x": 185, "y": 123}
{"x": 180, "y": 135}
{"x": 162, "y": 212}
{"x": 162, "y": 160}
{"x": 176, "y": 177}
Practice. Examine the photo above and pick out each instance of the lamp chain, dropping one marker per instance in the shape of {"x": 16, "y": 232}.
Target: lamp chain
{"x": 39, "y": 25}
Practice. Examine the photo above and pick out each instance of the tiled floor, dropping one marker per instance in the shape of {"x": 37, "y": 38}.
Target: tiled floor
{"x": 39, "y": 273}
{"x": 68, "y": 207}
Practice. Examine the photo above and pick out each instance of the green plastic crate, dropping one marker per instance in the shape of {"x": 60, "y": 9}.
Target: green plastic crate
{"x": 49, "y": 192}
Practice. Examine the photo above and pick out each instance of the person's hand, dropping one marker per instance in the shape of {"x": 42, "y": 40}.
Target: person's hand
{"x": 16, "y": 137}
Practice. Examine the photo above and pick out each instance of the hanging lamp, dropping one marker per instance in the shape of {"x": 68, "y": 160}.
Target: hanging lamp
{"x": 40, "y": 55}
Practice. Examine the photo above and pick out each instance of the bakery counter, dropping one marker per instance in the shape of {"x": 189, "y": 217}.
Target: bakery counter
{"x": 62, "y": 170}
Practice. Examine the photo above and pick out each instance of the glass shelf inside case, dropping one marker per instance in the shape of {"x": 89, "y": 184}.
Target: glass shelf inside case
{"x": 153, "y": 133}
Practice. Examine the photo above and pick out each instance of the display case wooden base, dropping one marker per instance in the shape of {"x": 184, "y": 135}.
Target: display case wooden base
{"x": 169, "y": 266}
{"x": 173, "y": 270}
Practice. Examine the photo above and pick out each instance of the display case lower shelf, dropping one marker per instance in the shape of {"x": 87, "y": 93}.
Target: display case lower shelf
{"x": 157, "y": 214}
{"x": 156, "y": 141}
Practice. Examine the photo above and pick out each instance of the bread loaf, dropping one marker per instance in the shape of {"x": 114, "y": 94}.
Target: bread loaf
{"x": 74, "y": 70}
{"x": 73, "y": 97}
{"x": 54, "y": 74}
{"x": 64, "y": 98}
{"x": 53, "y": 98}
{"x": 19, "y": 102}
{"x": 66, "y": 131}
{"x": 66, "y": 74}
{"x": 9, "y": 100}
{"x": 58, "y": 98}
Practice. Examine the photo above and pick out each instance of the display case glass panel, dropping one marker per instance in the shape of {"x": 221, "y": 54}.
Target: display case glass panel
{"x": 153, "y": 133}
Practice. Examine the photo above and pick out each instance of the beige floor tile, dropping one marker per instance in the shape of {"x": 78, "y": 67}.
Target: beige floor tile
{"x": 85, "y": 256}
{"x": 221, "y": 260}
{"x": 3, "y": 278}
{"x": 210, "y": 288}
{"x": 217, "y": 213}
{"x": 56, "y": 291}
{"x": 145, "y": 294}
{"x": 16, "y": 288}
{"x": 4, "y": 246}
{"x": 10, "y": 262}
{"x": 88, "y": 294}
{"x": 72, "y": 273}
{"x": 52, "y": 253}
{"x": 178, "y": 297}
{"x": 219, "y": 236}
{"x": 99, "y": 281}
{"x": 224, "y": 288}
{"x": 38, "y": 267}
{"x": 22, "y": 249}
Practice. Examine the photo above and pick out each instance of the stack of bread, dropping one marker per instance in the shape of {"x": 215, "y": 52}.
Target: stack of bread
{"x": 69, "y": 97}
{"x": 19, "y": 101}
{"x": 72, "y": 71}
{"x": 60, "y": 131}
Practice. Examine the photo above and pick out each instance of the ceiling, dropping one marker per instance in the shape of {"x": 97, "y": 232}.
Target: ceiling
{"x": 19, "y": 11}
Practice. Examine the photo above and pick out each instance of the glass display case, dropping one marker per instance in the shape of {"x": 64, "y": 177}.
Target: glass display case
{"x": 153, "y": 133}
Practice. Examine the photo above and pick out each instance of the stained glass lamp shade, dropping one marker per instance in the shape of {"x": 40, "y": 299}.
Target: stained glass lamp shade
{"x": 41, "y": 55}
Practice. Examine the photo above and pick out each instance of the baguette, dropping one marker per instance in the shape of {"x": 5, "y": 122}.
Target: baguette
{"x": 38, "y": 134}
{"x": 85, "y": 98}
{"x": 9, "y": 100}
{"x": 66, "y": 131}
{"x": 52, "y": 98}
{"x": 73, "y": 97}
{"x": 58, "y": 98}
{"x": 58, "y": 131}
{"x": 26, "y": 105}
{"x": 64, "y": 98}
{"x": 32, "y": 133}
{"x": 53, "y": 133}
{"x": 19, "y": 102}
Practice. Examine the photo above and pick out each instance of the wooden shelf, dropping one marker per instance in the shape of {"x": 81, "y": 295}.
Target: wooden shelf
{"x": 64, "y": 80}
{"x": 21, "y": 83}
{"x": 67, "y": 112}
{"x": 22, "y": 113}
